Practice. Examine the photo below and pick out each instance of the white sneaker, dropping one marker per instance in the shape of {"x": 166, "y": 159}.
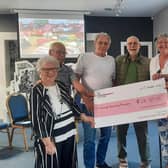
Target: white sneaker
{"x": 123, "y": 163}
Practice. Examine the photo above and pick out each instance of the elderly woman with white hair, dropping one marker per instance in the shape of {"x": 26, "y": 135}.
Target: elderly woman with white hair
{"x": 53, "y": 111}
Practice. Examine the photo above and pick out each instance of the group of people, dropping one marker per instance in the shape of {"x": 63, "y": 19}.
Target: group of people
{"x": 53, "y": 110}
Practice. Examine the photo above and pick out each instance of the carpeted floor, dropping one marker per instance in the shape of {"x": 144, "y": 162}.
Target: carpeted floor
{"x": 18, "y": 158}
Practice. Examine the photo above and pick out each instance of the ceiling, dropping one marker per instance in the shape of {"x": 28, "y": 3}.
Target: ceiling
{"x": 130, "y": 8}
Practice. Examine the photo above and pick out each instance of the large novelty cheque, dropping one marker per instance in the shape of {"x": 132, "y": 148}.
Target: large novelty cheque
{"x": 135, "y": 102}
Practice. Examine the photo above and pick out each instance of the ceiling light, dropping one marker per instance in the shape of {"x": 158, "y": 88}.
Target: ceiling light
{"x": 118, "y": 7}
{"x": 108, "y": 9}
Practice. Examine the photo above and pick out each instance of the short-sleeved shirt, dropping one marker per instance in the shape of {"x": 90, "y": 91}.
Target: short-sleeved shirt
{"x": 66, "y": 75}
{"x": 96, "y": 72}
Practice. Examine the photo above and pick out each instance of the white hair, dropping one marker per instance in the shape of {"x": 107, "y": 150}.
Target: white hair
{"x": 47, "y": 59}
{"x": 103, "y": 34}
{"x": 162, "y": 36}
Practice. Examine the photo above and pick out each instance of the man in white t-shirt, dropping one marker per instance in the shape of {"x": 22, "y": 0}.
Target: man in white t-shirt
{"x": 96, "y": 71}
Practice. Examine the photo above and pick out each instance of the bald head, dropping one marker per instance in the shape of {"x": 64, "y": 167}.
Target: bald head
{"x": 58, "y": 51}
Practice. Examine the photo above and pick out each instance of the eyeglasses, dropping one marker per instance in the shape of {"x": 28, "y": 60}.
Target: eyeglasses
{"x": 162, "y": 42}
{"x": 103, "y": 43}
{"x": 59, "y": 52}
{"x": 132, "y": 43}
{"x": 47, "y": 70}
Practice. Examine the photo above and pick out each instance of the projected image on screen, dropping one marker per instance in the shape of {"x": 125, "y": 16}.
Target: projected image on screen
{"x": 36, "y": 35}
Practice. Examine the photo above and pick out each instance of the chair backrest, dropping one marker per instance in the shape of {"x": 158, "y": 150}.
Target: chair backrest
{"x": 17, "y": 107}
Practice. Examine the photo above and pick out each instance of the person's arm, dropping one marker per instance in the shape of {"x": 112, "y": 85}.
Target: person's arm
{"x": 86, "y": 95}
{"x": 77, "y": 112}
{"x": 36, "y": 114}
{"x": 77, "y": 85}
{"x": 155, "y": 73}
{"x": 50, "y": 147}
{"x": 87, "y": 119}
{"x": 38, "y": 123}
{"x": 164, "y": 76}
{"x": 81, "y": 89}
{"x": 89, "y": 103}
{"x": 158, "y": 75}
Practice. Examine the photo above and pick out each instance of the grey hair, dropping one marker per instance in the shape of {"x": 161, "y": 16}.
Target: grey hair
{"x": 47, "y": 59}
{"x": 103, "y": 34}
{"x": 57, "y": 43}
{"x": 162, "y": 35}
{"x": 135, "y": 37}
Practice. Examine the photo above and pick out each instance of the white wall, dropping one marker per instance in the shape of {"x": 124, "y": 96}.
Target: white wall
{"x": 160, "y": 24}
{"x": 8, "y": 29}
{"x": 3, "y": 63}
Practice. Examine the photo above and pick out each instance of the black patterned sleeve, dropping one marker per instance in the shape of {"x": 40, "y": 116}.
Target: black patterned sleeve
{"x": 38, "y": 122}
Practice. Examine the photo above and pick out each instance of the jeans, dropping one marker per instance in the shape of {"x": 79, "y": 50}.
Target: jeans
{"x": 141, "y": 131}
{"x": 89, "y": 144}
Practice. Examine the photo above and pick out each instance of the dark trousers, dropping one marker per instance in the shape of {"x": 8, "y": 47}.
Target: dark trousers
{"x": 65, "y": 157}
{"x": 141, "y": 131}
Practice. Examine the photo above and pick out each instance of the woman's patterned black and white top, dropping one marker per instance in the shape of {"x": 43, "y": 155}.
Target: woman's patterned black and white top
{"x": 47, "y": 119}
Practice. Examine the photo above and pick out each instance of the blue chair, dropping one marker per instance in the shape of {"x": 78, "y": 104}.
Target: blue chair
{"x": 4, "y": 127}
{"x": 19, "y": 116}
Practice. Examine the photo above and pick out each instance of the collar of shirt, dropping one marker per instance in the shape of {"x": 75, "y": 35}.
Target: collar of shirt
{"x": 137, "y": 59}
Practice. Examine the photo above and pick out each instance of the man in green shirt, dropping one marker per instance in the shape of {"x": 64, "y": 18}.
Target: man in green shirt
{"x": 130, "y": 68}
